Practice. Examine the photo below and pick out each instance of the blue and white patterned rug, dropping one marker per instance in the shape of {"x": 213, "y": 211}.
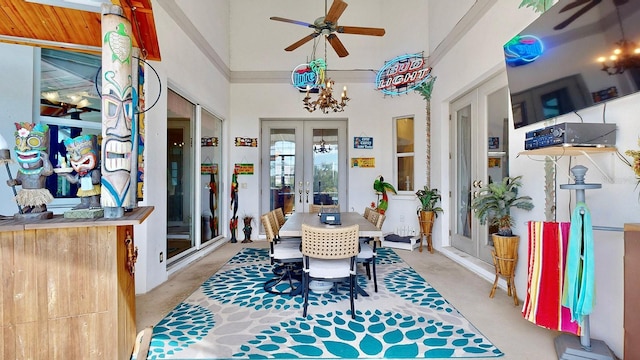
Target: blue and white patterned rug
{"x": 231, "y": 317}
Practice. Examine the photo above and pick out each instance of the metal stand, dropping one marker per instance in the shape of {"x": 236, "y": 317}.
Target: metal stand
{"x": 567, "y": 346}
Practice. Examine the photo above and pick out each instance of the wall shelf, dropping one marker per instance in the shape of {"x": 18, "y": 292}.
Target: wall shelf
{"x": 560, "y": 151}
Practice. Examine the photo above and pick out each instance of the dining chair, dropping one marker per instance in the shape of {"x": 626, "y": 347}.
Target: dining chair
{"x": 285, "y": 255}
{"x": 317, "y": 208}
{"x": 367, "y": 211}
{"x": 329, "y": 254}
{"x": 368, "y": 249}
{"x": 279, "y": 214}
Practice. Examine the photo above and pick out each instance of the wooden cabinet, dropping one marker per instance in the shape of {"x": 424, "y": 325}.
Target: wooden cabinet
{"x": 67, "y": 292}
{"x": 631, "y": 290}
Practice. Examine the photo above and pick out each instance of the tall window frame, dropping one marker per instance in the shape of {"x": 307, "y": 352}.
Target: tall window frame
{"x": 69, "y": 103}
{"x": 404, "y": 153}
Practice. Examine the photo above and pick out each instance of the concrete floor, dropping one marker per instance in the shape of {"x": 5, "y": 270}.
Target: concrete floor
{"x": 498, "y": 319}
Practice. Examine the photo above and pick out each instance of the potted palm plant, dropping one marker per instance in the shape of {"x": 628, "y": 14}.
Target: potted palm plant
{"x": 493, "y": 205}
{"x": 427, "y": 212}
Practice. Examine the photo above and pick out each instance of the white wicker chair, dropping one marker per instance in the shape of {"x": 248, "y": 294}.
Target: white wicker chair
{"x": 329, "y": 255}
{"x": 285, "y": 255}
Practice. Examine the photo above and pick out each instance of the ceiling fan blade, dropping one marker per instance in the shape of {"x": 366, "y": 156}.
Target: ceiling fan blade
{"x": 575, "y": 3}
{"x": 360, "y": 30}
{"x": 576, "y": 15}
{"x": 276, "y": 18}
{"x": 300, "y": 42}
{"x": 337, "y": 45}
{"x": 336, "y": 9}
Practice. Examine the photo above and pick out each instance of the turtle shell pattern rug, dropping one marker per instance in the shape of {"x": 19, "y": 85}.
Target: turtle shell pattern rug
{"x": 231, "y": 317}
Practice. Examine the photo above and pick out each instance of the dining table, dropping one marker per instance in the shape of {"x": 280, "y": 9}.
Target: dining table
{"x": 293, "y": 228}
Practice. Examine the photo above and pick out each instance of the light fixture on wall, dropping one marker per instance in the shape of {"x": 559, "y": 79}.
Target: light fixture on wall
{"x": 321, "y": 148}
{"x": 325, "y": 101}
{"x": 625, "y": 56}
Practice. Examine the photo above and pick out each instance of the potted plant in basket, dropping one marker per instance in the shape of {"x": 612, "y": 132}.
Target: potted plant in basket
{"x": 493, "y": 205}
{"x": 427, "y": 212}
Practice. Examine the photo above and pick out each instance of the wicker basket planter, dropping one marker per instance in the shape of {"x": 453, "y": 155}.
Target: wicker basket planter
{"x": 426, "y": 219}
{"x": 505, "y": 258}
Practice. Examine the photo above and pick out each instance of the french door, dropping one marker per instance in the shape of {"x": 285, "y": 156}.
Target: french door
{"x": 303, "y": 162}
{"x": 479, "y": 154}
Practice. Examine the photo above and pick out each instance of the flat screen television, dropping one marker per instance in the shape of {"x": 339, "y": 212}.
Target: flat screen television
{"x": 554, "y": 66}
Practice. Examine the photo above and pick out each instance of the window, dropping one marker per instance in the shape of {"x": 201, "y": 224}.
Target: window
{"x": 404, "y": 153}
{"x": 70, "y": 105}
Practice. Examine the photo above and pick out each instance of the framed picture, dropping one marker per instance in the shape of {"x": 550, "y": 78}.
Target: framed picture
{"x": 494, "y": 142}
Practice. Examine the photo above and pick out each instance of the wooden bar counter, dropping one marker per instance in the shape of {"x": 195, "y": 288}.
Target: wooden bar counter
{"x": 67, "y": 291}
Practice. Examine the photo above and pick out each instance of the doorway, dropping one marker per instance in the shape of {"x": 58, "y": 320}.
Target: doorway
{"x": 307, "y": 164}
{"x": 479, "y": 148}
{"x": 180, "y": 220}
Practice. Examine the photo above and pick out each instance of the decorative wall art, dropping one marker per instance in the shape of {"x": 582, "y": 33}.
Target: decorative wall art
{"x": 363, "y": 162}
{"x": 250, "y": 142}
{"x": 209, "y": 141}
{"x": 244, "y": 169}
{"x": 362, "y": 142}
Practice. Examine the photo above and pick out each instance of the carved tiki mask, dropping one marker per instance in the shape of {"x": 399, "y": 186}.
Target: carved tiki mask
{"x": 82, "y": 152}
{"x": 31, "y": 140}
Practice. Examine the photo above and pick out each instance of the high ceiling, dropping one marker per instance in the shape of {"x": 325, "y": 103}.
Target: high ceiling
{"x": 24, "y": 22}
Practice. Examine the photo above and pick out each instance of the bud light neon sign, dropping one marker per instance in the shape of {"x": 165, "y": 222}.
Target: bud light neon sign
{"x": 522, "y": 50}
{"x": 402, "y": 74}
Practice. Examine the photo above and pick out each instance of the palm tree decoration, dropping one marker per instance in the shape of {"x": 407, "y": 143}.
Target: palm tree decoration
{"x": 381, "y": 187}
{"x": 495, "y": 202}
{"x": 537, "y": 5}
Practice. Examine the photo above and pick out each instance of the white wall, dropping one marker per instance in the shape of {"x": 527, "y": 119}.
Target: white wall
{"x": 473, "y": 59}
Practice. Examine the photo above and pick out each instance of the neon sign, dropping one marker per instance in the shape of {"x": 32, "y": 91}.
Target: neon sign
{"x": 402, "y": 74}
{"x": 522, "y": 50}
{"x": 302, "y": 77}
{"x": 309, "y": 76}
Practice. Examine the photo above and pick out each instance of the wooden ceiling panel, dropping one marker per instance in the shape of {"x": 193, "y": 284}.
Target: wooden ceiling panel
{"x": 27, "y": 23}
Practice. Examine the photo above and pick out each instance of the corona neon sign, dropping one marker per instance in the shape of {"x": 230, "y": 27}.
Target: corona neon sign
{"x": 402, "y": 74}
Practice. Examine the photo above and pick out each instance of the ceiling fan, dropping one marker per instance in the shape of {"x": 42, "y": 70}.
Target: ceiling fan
{"x": 586, "y": 6}
{"x": 328, "y": 25}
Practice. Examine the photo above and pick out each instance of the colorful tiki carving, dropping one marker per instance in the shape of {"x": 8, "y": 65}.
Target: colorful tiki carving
{"x": 117, "y": 113}
{"x": 32, "y": 141}
{"x": 82, "y": 152}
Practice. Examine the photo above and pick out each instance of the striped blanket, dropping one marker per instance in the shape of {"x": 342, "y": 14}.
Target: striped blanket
{"x": 546, "y": 263}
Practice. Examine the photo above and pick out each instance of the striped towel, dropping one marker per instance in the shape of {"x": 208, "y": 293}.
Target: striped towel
{"x": 546, "y": 262}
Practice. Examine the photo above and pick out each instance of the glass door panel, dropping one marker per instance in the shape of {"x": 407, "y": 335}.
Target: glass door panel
{"x": 325, "y": 167}
{"x": 479, "y": 152}
{"x": 211, "y": 157}
{"x": 180, "y": 119}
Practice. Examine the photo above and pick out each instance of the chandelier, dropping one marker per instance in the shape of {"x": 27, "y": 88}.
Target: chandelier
{"x": 322, "y": 148}
{"x": 625, "y": 56}
{"x": 325, "y": 101}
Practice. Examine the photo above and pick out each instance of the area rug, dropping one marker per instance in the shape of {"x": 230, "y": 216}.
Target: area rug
{"x": 231, "y": 317}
